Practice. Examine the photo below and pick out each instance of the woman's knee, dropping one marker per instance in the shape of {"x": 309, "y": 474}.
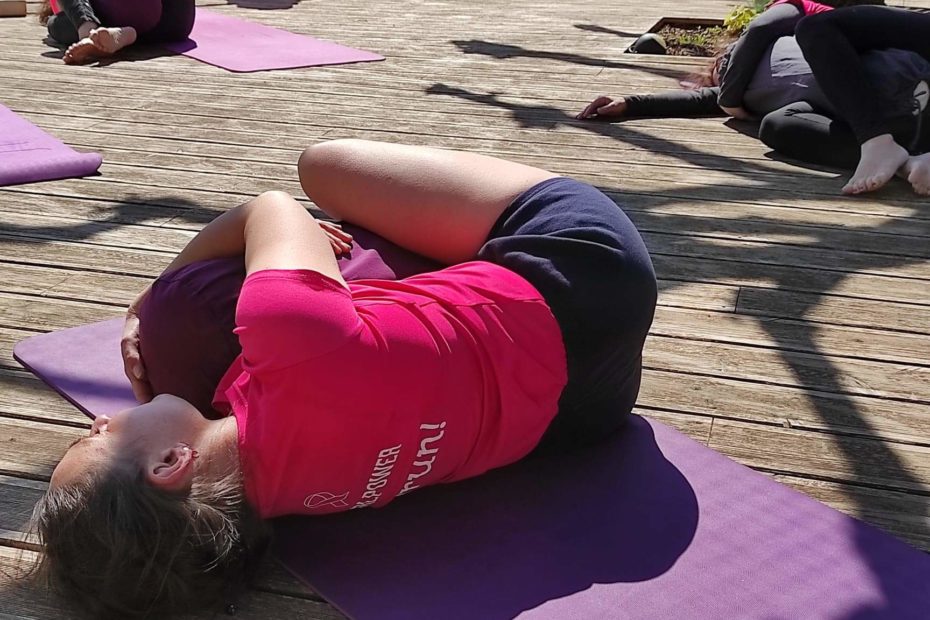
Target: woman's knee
{"x": 810, "y": 29}
{"x": 321, "y": 167}
{"x": 771, "y": 129}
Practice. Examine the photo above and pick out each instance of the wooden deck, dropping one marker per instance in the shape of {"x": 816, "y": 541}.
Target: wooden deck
{"x": 792, "y": 332}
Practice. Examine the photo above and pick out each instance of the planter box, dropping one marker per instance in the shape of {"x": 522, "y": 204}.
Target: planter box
{"x": 12, "y": 8}
{"x": 685, "y": 22}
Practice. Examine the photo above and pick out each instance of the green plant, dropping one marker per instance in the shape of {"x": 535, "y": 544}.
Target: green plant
{"x": 703, "y": 38}
{"x": 740, "y": 16}
{"x": 737, "y": 19}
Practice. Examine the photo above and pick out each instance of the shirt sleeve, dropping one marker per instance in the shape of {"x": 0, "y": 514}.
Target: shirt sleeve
{"x": 285, "y": 317}
{"x": 744, "y": 57}
{"x": 699, "y": 102}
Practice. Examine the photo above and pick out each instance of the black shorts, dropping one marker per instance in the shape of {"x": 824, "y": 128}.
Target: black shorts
{"x": 586, "y": 258}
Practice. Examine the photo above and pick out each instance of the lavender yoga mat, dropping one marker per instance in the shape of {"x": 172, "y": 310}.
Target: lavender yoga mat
{"x": 648, "y": 524}
{"x": 243, "y": 46}
{"x": 28, "y": 154}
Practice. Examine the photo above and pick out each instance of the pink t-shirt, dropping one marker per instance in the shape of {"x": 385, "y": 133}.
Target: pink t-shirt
{"x": 349, "y": 399}
{"x": 808, "y": 7}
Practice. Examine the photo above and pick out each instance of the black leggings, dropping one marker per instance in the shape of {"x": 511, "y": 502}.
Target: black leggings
{"x": 801, "y": 132}
{"x": 174, "y": 24}
{"x": 832, "y": 43}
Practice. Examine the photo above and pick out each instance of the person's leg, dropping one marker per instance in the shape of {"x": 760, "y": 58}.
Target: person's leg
{"x": 125, "y": 23}
{"x": 81, "y": 14}
{"x": 584, "y": 255}
{"x": 62, "y": 30}
{"x": 799, "y": 132}
{"x": 176, "y": 23}
{"x": 831, "y": 43}
{"x": 440, "y": 204}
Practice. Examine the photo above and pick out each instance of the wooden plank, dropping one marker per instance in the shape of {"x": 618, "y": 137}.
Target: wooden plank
{"x": 785, "y": 405}
{"x": 111, "y": 289}
{"x": 48, "y": 314}
{"x": 836, "y": 375}
{"x": 696, "y": 427}
{"x": 27, "y": 397}
{"x": 791, "y": 335}
{"x": 845, "y": 459}
{"x": 30, "y": 449}
{"x": 723, "y": 269}
{"x": 833, "y": 309}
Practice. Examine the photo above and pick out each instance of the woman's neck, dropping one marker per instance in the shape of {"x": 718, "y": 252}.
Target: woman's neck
{"x": 218, "y": 449}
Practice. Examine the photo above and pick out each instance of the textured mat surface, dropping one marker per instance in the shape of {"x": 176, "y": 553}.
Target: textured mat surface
{"x": 28, "y": 154}
{"x": 243, "y": 46}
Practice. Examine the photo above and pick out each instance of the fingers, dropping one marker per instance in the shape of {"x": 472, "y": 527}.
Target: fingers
{"x": 337, "y": 231}
{"x": 592, "y": 109}
{"x": 614, "y": 108}
{"x": 339, "y": 240}
{"x": 132, "y": 360}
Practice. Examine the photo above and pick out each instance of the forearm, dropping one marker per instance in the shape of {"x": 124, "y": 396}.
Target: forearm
{"x": 224, "y": 236}
{"x": 677, "y": 103}
{"x": 749, "y": 50}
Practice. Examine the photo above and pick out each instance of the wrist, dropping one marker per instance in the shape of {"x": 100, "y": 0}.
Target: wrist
{"x": 136, "y": 304}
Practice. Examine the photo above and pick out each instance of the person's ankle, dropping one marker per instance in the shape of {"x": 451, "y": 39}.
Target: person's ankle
{"x": 85, "y": 28}
{"x": 885, "y": 139}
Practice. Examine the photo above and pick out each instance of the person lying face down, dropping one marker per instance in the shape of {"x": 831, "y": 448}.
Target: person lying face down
{"x": 341, "y": 396}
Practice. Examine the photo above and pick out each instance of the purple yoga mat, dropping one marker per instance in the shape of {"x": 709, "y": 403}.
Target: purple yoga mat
{"x": 243, "y": 46}
{"x": 649, "y": 524}
{"x": 28, "y": 154}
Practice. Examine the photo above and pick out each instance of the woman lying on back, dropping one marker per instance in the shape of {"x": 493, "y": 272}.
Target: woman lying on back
{"x": 338, "y": 396}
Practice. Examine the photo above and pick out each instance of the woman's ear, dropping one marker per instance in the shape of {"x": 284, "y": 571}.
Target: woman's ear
{"x": 173, "y": 470}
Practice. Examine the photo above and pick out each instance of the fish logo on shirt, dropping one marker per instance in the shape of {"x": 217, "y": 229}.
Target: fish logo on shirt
{"x": 318, "y": 500}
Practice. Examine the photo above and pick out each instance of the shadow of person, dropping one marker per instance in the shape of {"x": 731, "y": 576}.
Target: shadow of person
{"x": 508, "y": 541}
{"x": 603, "y": 30}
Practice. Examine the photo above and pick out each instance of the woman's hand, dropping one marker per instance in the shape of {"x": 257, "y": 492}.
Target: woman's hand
{"x": 132, "y": 357}
{"x": 339, "y": 240}
{"x": 604, "y": 107}
{"x": 737, "y": 113}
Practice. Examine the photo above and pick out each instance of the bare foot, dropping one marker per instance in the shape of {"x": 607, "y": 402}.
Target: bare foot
{"x": 880, "y": 158}
{"x": 111, "y": 40}
{"x": 82, "y": 52}
{"x": 100, "y": 43}
{"x": 917, "y": 172}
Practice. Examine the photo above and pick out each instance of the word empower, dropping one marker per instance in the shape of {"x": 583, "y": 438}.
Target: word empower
{"x": 430, "y": 434}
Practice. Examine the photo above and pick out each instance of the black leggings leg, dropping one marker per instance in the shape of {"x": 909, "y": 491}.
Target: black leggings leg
{"x": 832, "y": 42}
{"x": 800, "y": 132}
{"x": 62, "y": 30}
{"x": 797, "y": 131}
{"x": 63, "y": 27}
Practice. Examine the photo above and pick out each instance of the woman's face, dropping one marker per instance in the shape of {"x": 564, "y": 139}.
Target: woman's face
{"x": 131, "y": 435}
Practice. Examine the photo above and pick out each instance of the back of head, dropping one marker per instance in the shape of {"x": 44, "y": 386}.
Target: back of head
{"x": 119, "y": 548}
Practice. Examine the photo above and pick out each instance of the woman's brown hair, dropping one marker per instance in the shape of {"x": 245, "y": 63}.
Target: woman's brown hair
{"x": 120, "y": 548}
{"x": 45, "y": 11}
